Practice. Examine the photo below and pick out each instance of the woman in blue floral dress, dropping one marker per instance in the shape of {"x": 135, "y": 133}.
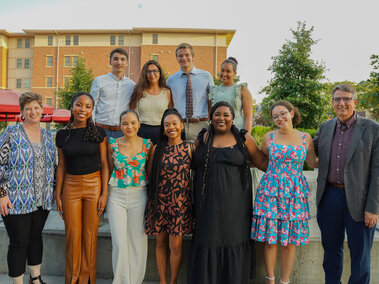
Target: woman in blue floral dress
{"x": 281, "y": 209}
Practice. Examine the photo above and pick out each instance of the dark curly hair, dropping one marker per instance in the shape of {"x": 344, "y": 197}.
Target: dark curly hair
{"x": 92, "y": 133}
{"x": 240, "y": 137}
{"x": 144, "y": 84}
{"x": 158, "y": 154}
{"x": 296, "y": 117}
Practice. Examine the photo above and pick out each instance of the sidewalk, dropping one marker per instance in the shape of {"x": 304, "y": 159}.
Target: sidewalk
{"x": 4, "y": 279}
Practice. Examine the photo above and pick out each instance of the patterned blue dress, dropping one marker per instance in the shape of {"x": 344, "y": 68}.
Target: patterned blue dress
{"x": 281, "y": 209}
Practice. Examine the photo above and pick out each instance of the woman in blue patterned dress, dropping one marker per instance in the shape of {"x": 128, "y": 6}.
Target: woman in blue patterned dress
{"x": 127, "y": 157}
{"x": 281, "y": 209}
{"x": 27, "y": 161}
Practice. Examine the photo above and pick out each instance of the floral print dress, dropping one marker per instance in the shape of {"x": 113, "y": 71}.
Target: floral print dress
{"x": 281, "y": 209}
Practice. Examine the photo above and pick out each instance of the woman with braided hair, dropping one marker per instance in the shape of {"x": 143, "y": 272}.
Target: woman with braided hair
{"x": 221, "y": 246}
{"x": 168, "y": 213}
{"x": 82, "y": 188}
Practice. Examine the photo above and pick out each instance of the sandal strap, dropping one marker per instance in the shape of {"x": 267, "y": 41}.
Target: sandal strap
{"x": 270, "y": 278}
{"x": 282, "y": 282}
{"x": 37, "y": 278}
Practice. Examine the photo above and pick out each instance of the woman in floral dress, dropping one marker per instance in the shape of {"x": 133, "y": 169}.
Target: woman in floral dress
{"x": 281, "y": 209}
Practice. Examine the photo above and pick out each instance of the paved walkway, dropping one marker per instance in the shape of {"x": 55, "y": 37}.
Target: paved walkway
{"x": 4, "y": 279}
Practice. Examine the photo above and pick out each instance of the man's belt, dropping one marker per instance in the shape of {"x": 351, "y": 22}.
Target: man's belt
{"x": 337, "y": 185}
{"x": 107, "y": 127}
{"x": 195, "y": 119}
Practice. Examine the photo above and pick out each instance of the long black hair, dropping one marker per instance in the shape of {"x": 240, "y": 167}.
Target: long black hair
{"x": 158, "y": 154}
{"x": 240, "y": 137}
{"x": 91, "y": 134}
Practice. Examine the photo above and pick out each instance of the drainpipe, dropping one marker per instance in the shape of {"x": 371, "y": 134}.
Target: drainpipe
{"x": 216, "y": 55}
{"x": 130, "y": 55}
{"x": 57, "y": 72}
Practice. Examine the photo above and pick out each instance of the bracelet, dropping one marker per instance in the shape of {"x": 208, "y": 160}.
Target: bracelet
{"x": 3, "y": 192}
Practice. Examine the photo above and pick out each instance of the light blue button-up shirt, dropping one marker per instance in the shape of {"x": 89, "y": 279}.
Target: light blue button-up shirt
{"x": 201, "y": 81}
{"x": 111, "y": 97}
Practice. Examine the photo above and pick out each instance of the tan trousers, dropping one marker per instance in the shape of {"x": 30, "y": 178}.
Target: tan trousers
{"x": 80, "y": 196}
{"x": 193, "y": 129}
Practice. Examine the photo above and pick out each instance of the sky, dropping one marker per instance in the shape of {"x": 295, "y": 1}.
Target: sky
{"x": 348, "y": 31}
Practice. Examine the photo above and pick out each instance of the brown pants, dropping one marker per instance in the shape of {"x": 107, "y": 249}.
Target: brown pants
{"x": 80, "y": 196}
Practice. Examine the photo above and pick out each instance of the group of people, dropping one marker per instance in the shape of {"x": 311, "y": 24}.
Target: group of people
{"x": 171, "y": 172}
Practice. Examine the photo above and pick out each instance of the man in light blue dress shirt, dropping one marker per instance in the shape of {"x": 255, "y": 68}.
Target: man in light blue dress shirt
{"x": 200, "y": 82}
{"x": 111, "y": 93}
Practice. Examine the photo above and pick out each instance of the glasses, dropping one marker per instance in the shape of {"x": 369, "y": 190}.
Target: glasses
{"x": 154, "y": 71}
{"x": 344, "y": 99}
{"x": 282, "y": 114}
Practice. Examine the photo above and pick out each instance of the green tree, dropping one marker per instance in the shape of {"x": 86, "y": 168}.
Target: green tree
{"x": 81, "y": 81}
{"x": 370, "y": 99}
{"x": 297, "y": 78}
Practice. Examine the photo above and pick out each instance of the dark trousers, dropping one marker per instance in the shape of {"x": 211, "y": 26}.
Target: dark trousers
{"x": 149, "y": 132}
{"x": 333, "y": 218}
{"x": 25, "y": 240}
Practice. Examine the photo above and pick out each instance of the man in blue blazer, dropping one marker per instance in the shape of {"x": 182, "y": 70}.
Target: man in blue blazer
{"x": 347, "y": 187}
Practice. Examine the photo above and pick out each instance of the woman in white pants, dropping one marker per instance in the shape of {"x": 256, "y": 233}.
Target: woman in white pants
{"x": 127, "y": 158}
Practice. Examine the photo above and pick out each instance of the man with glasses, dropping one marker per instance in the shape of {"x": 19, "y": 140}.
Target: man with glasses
{"x": 111, "y": 93}
{"x": 347, "y": 187}
{"x": 190, "y": 88}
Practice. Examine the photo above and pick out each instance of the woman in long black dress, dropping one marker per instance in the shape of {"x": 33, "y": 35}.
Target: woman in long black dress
{"x": 221, "y": 245}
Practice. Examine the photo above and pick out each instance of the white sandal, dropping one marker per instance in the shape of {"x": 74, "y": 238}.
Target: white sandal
{"x": 270, "y": 278}
{"x": 282, "y": 282}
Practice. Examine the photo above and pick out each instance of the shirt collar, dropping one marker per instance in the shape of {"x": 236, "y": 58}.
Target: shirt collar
{"x": 350, "y": 122}
{"x": 193, "y": 71}
{"x": 115, "y": 77}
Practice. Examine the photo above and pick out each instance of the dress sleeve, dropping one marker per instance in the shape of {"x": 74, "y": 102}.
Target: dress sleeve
{"x": 211, "y": 94}
{"x": 4, "y": 157}
{"x": 102, "y": 133}
{"x": 238, "y": 100}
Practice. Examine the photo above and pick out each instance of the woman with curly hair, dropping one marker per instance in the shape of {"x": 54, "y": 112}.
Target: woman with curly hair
{"x": 82, "y": 188}
{"x": 168, "y": 213}
{"x": 221, "y": 247}
{"x": 150, "y": 98}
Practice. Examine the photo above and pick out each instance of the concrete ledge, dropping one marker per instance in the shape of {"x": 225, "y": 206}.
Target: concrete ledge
{"x": 307, "y": 267}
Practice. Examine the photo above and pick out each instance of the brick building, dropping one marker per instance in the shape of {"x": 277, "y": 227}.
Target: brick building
{"x": 40, "y": 60}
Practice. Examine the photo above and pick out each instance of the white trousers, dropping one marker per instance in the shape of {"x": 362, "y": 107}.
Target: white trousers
{"x": 126, "y": 207}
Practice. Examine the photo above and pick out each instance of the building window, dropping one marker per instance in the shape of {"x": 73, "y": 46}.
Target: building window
{"x": 18, "y": 83}
{"x": 27, "y": 43}
{"x": 49, "y": 61}
{"x": 67, "y": 61}
{"x": 121, "y": 40}
{"x": 68, "y": 40}
{"x": 49, "y": 101}
{"x": 155, "y": 38}
{"x": 26, "y": 83}
{"x": 154, "y": 57}
{"x": 49, "y": 40}
{"x": 74, "y": 60}
{"x": 113, "y": 40}
{"x": 19, "y": 43}
{"x": 26, "y": 63}
{"x": 49, "y": 82}
{"x": 76, "y": 40}
{"x": 19, "y": 63}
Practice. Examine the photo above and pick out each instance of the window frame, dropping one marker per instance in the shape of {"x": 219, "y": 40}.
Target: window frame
{"x": 19, "y": 43}
{"x": 26, "y": 66}
{"x": 112, "y": 40}
{"x": 49, "y": 81}
{"x": 18, "y": 83}
{"x": 47, "y": 60}
{"x": 155, "y": 39}
{"x": 50, "y": 40}
{"x": 76, "y": 40}
{"x": 28, "y": 43}
{"x": 68, "y": 40}
{"x": 19, "y": 63}
{"x": 65, "y": 61}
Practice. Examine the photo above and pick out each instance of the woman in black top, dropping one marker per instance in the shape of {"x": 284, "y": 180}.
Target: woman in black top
{"x": 82, "y": 188}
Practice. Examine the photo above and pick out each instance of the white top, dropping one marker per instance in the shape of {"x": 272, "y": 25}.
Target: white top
{"x": 151, "y": 107}
{"x": 111, "y": 97}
